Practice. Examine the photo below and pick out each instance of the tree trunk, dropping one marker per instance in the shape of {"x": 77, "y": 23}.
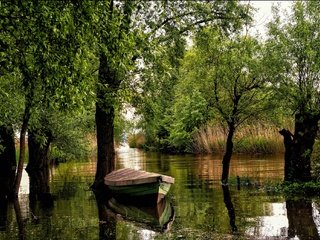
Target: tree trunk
{"x": 106, "y": 93}
{"x": 39, "y": 189}
{"x": 38, "y": 152}
{"x": 105, "y": 142}
{"x": 8, "y": 162}
{"x": 227, "y": 155}
{"x": 299, "y": 147}
{"x": 23, "y": 132}
{"x": 288, "y": 144}
{"x": 306, "y": 129}
{"x": 107, "y": 88}
{"x": 38, "y": 168}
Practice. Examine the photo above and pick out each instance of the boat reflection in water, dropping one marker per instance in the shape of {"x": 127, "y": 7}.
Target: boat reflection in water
{"x": 158, "y": 217}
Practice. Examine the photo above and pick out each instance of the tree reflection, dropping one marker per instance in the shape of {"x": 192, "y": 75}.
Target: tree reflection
{"x": 3, "y": 212}
{"x": 230, "y": 208}
{"x": 107, "y": 219}
{"x": 300, "y": 218}
{"x": 21, "y": 227}
{"x": 40, "y": 191}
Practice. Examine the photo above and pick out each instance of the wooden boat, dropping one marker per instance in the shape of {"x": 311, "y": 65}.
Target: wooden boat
{"x": 159, "y": 217}
{"x": 137, "y": 186}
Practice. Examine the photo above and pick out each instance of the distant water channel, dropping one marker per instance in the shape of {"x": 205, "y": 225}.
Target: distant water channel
{"x": 203, "y": 208}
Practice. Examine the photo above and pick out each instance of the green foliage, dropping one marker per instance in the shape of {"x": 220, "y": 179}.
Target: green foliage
{"x": 45, "y": 65}
{"x": 10, "y": 107}
{"x": 233, "y": 68}
{"x": 189, "y": 113}
{"x": 168, "y": 23}
{"x": 292, "y": 57}
{"x": 41, "y": 42}
{"x": 71, "y": 136}
{"x": 158, "y": 84}
{"x": 220, "y": 78}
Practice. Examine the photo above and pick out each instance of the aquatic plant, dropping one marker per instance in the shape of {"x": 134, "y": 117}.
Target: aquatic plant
{"x": 295, "y": 189}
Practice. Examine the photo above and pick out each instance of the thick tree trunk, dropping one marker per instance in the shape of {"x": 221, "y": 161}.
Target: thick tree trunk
{"x": 106, "y": 93}
{"x": 38, "y": 168}
{"x": 38, "y": 152}
{"x": 8, "y": 162}
{"x": 306, "y": 129}
{"x": 105, "y": 142}
{"x": 107, "y": 88}
{"x": 227, "y": 155}
{"x": 39, "y": 189}
{"x": 299, "y": 146}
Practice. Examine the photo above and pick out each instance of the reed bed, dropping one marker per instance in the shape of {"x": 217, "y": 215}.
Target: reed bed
{"x": 256, "y": 138}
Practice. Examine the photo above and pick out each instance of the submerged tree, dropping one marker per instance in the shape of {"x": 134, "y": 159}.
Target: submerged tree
{"x": 293, "y": 55}
{"x": 237, "y": 88}
{"x": 7, "y": 161}
{"x": 228, "y": 73}
{"x": 175, "y": 24}
{"x": 39, "y": 51}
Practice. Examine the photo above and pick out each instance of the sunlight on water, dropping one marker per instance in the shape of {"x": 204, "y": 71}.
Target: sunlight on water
{"x": 274, "y": 225}
{"x": 135, "y": 159}
{"x": 316, "y": 215}
{"x": 146, "y": 234}
{"x": 24, "y": 186}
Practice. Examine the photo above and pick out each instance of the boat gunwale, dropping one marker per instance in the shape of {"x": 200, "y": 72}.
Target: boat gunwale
{"x": 128, "y": 176}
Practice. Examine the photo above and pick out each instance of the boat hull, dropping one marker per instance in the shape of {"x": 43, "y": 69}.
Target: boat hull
{"x": 144, "y": 194}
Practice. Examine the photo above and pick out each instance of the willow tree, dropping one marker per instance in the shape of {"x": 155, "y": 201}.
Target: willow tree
{"x": 227, "y": 73}
{"x": 294, "y": 66}
{"x": 39, "y": 51}
{"x": 238, "y": 87}
{"x": 170, "y": 25}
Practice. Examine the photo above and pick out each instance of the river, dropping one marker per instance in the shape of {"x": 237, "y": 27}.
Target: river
{"x": 203, "y": 209}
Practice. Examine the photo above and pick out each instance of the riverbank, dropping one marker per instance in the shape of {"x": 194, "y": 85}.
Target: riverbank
{"x": 210, "y": 139}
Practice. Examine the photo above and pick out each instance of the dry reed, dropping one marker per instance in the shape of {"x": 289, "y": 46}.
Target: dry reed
{"x": 250, "y": 139}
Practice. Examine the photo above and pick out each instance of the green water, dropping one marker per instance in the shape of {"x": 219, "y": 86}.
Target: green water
{"x": 203, "y": 209}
